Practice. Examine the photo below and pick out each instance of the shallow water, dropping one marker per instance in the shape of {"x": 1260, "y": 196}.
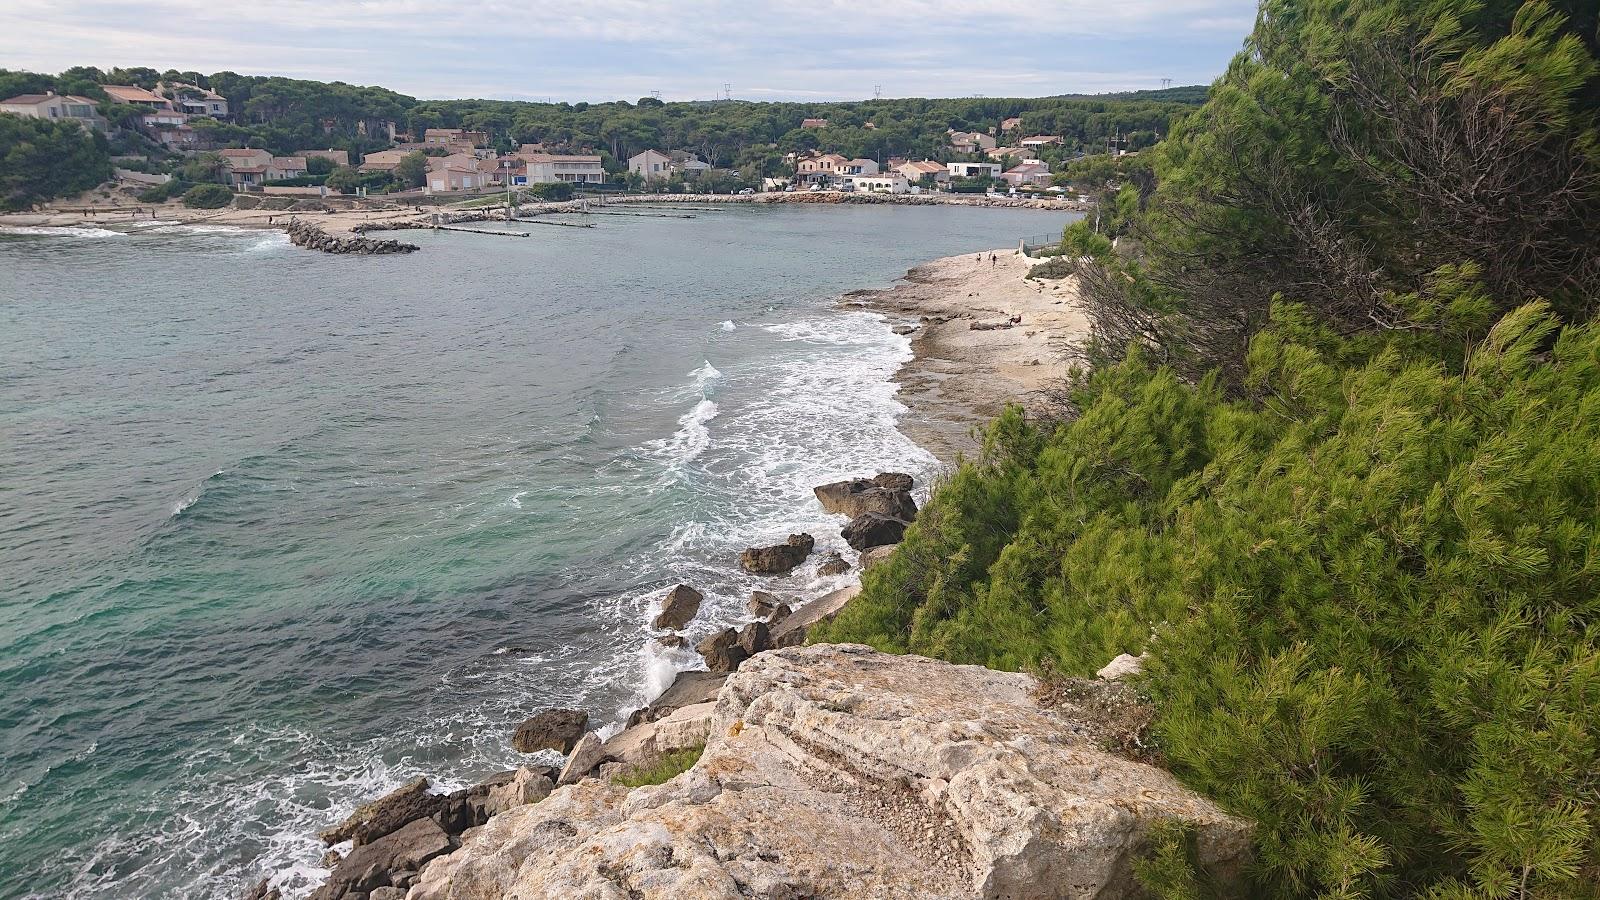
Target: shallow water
{"x": 279, "y": 530}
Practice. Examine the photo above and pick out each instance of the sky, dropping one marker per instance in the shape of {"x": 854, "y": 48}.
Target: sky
{"x": 598, "y": 50}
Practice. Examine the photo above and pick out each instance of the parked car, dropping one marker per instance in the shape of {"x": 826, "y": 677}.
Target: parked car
{"x": 748, "y": 191}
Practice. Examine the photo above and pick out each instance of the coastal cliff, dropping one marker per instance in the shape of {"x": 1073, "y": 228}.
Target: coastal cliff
{"x": 835, "y": 770}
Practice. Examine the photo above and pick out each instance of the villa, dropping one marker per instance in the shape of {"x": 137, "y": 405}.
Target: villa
{"x": 1041, "y": 140}
{"x": 50, "y": 105}
{"x": 550, "y": 168}
{"x": 975, "y": 170}
{"x": 971, "y": 141}
{"x": 916, "y": 171}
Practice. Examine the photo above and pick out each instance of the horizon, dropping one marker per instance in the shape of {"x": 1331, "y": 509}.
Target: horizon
{"x": 900, "y": 49}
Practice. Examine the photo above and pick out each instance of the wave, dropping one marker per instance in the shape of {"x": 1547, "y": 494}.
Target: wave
{"x": 690, "y": 440}
{"x": 72, "y": 231}
{"x": 705, "y": 376}
{"x": 190, "y": 499}
{"x": 727, "y": 325}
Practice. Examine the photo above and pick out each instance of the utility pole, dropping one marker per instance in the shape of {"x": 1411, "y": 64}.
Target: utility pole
{"x": 1166, "y": 83}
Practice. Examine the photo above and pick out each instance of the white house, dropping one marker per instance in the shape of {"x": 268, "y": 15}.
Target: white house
{"x": 1041, "y": 140}
{"x": 549, "y": 168}
{"x": 889, "y": 183}
{"x": 974, "y": 169}
{"x": 650, "y": 164}
{"x": 856, "y": 167}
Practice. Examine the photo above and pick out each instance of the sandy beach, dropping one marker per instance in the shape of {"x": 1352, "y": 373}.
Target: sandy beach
{"x": 971, "y": 360}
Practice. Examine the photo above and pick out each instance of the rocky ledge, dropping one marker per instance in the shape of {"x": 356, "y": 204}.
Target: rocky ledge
{"x": 837, "y": 771}
{"x": 307, "y": 235}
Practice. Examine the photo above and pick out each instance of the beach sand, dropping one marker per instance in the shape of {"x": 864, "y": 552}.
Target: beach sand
{"x": 961, "y": 377}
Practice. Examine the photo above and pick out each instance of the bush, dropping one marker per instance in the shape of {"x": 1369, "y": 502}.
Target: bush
{"x": 668, "y": 767}
{"x": 207, "y": 196}
{"x": 560, "y": 190}
{"x": 161, "y": 193}
{"x": 1370, "y": 591}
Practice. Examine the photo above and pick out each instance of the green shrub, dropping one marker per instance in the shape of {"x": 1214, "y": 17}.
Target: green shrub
{"x": 560, "y": 190}
{"x": 1370, "y": 590}
{"x": 207, "y": 196}
{"x": 668, "y": 767}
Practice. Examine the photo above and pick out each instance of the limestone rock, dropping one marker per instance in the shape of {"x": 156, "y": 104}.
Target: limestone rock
{"x": 373, "y": 820}
{"x": 778, "y": 559}
{"x": 680, "y": 605}
{"x": 836, "y": 771}
{"x": 643, "y": 745}
{"x": 859, "y": 496}
{"x": 833, "y": 565}
{"x": 529, "y": 784}
{"x": 585, "y": 756}
{"x": 791, "y": 632}
{"x": 754, "y": 638}
{"x": 371, "y": 866}
{"x": 1122, "y": 667}
{"x": 553, "y": 729}
{"x": 672, "y": 641}
{"x": 870, "y": 530}
{"x": 872, "y": 556}
{"x": 762, "y": 604}
{"x": 687, "y": 689}
{"x": 722, "y": 651}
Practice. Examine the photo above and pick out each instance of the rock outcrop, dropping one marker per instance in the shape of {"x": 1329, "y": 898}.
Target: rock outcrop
{"x": 375, "y": 865}
{"x": 388, "y": 813}
{"x": 833, "y": 565}
{"x": 688, "y": 689}
{"x": 873, "y": 556}
{"x": 678, "y": 607}
{"x": 870, "y": 530}
{"x": 888, "y": 494}
{"x": 778, "y": 559}
{"x": 836, "y": 771}
{"x": 553, "y": 729}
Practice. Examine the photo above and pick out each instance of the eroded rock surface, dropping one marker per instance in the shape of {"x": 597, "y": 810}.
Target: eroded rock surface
{"x": 779, "y": 558}
{"x": 837, "y": 771}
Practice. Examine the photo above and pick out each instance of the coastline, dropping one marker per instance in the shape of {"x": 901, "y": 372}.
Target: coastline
{"x": 969, "y": 358}
{"x": 344, "y": 217}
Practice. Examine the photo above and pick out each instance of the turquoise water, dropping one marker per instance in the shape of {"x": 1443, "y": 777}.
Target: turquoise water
{"x": 279, "y": 530}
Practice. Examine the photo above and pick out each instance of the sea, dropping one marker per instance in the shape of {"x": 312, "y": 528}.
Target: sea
{"x": 281, "y": 530}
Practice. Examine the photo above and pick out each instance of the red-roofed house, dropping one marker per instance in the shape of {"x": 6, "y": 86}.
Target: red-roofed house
{"x": 133, "y": 95}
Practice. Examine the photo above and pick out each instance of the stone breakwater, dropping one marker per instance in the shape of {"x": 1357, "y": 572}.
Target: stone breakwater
{"x": 312, "y": 237}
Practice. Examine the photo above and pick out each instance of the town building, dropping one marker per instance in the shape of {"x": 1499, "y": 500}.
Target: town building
{"x": 56, "y": 107}
{"x": 971, "y": 141}
{"x": 446, "y": 136}
{"x": 456, "y": 172}
{"x": 383, "y": 160}
{"x": 339, "y": 158}
{"x": 550, "y": 168}
{"x": 133, "y": 95}
{"x": 1033, "y": 172}
{"x": 1041, "y": 140}
{"x": 194, "y": 100}
{"x": 974, "y": 170}
{"x": 250, "y": 167}
{"x": 914, "y": 172}
{"x": 856, "y": 167}
{"x": 888, "y": 183}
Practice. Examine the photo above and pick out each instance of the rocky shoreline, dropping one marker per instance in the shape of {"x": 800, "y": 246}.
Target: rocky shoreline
{"x": 788, "y": 771}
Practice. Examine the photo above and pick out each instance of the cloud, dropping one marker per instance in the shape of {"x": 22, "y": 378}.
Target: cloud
{"x": 610, "y": 49}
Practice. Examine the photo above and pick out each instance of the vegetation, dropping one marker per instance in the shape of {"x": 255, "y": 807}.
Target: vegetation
{"x": 41, "y": 160}
{"x": 207, "y": 196}
{"x": 665, "y": 769}
{"x": 1338, "y": 466}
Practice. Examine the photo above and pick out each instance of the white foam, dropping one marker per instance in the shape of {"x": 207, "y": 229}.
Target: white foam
{"x": 72, "y": 231}
{"x": 728, "y": 325}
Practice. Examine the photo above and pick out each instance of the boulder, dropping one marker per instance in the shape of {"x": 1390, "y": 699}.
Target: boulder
{"x": 859, "y": 496}
{"x": 529, "y": 784}
{"x": 387, "y": 893}
{"x": 388, "y": 813}
{"x": 762, "y": 604}
{"x": 834, "y": 564}
{"x": 331, "y": 859}
{"x": 553, "y": 729}
{"x": 872, "y": 556}
{"x": 672, "y": 641}
{"x": 837, "y": 771}
{"x": 643, "y": 745}
{"x": 722, "y": 651}
{"x": 778, "y": 559}
{"x": 372, "y": 866}
{"x": 585, "y": 756}
{"x": 468, "y": 807}
{"x": 872, "y": 530}
{"x": 687, "y": 689}
{"x": 1122, "y": 667}
{"x": 754, "y": 638}
{"x": 792, "y": 631}
{"x": 680, "y": 605}
{"x": 893, "y": 481}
